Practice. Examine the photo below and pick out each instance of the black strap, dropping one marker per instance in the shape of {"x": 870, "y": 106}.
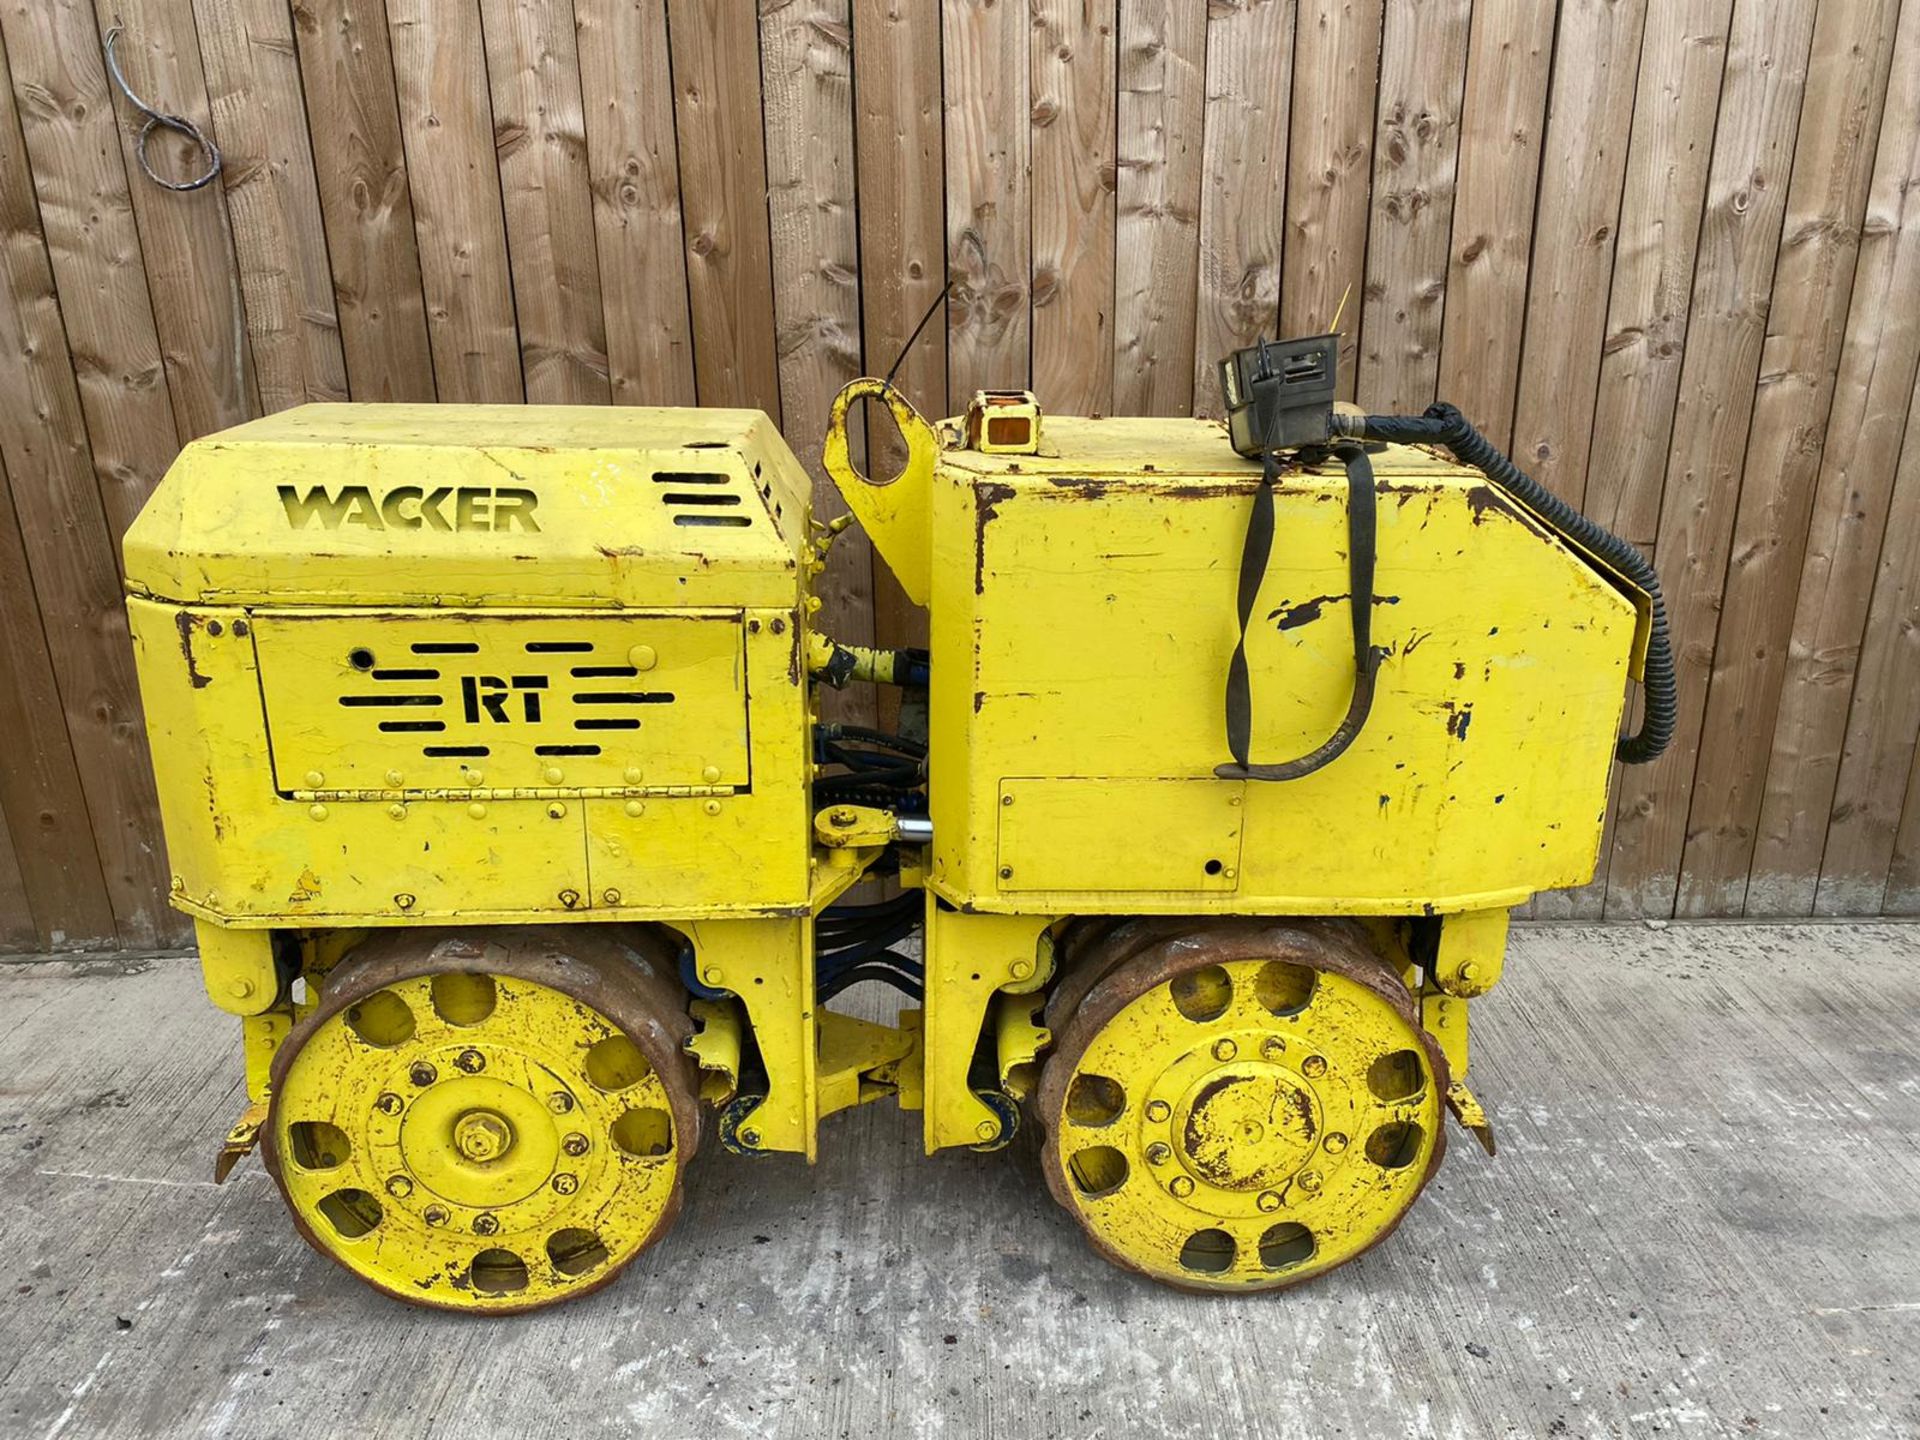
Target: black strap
{"x": 1254, "y": 555}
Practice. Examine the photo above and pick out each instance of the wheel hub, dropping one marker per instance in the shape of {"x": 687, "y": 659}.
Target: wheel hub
{"x": 1246, "y": 1126}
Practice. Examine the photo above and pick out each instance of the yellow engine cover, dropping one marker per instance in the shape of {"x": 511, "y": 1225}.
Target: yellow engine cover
{"x": 1082, "y": 595}
{"x": 404, "y": 664}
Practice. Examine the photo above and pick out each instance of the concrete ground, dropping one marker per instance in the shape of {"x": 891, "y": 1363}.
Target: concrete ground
{"x": 1705, "y": 1219}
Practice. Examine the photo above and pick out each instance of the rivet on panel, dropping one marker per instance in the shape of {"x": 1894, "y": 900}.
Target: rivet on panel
{"x": 569, "y": 898}
{"x": 1269, "y": 1201}
{"x": 1335, "y": 1142}
{"x": 397, "y": 811}
{"x": 710, "y": 774}
{"x": 1225, "y": 1049}
{"x": 632, "y": 776}
{"x": 315, "y": 779}
{"x": 474, "y": 777}
{"x": 477, "y": 810}
{"x": 1311, "y": 1182}
{"x": 214, "y": 627}
{"x": 1181, "y": 1186}
{"x": 553, "y": 775}
{"x": 1006, "y": 872}
{"x": 556, "y": 811}
{"x": 240, "y": 627}
{"x": 1314, "y": 1066}
{"x": 318, "y": 812}
{"x": 404, "y": 900}
{"x": 399, "y": 1186}
{"x": 1159, "y": 1153}
{"x": 712, "y": 807}
{"x": 635, "y": 809}
{"x": 612, "y": 897}
{"x": 394, "y": 778}
{"x": 642, "y": 657}
{"x": 987, "y": 1129}
{"x": 1158, "y": 1111}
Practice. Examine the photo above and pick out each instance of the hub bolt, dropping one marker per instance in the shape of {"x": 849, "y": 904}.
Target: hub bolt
{"x": 1225, "y": 1049}
{"x": 485, "y": 1225}
{"x": 574, "y": 1144}
{"x": 1335, "y": 1142}
{"x": 560, "y": 1102}
{"x": 422, "y": 1073}
{"x": 390, "y": 1103}
{"x": 1269, "y": 1201}
{"x": 987, "y": 1129}
{"x": 399, "y": 1186}
{"x": 1314, "y": 1066}
{"x": 471, "y": 1061}
{"x": 565, "y": 1184}
{"x": 1273, "y": 1047}
{"x": 1181, "y": 1186}
{"x": 434, "y": 1215}
{"x": 1311, "y": 1182}
{"x": 1158, "y": 1153}
{"x": 1158, "y": 1111}
{"x": 750, "y": 1139}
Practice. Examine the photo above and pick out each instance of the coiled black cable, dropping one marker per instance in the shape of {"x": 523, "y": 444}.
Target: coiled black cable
{"x": 1443, "y": 424}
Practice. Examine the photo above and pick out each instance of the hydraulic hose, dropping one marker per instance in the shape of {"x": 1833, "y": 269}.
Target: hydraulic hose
{"x": 1443, "y": 424}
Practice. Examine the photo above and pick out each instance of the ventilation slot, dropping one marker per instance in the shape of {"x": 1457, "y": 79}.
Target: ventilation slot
{"x": 445, "y": 647}
{"x": 623, "y": 697}
{"x": 356, "y": 702}
{"x": 406, "y": 674}
{"x": 559, "y": 647}
{"x": 733, "y": 520}
{"x": 443, "y": 752}
{"x": 566, "y": 749}
{"x": 606, "y": 724}
{"x": 603, "y": 672}
{"x": 691, "y": 477}
{"x": 402, "y": 727}
{"x": 673, "y": 497}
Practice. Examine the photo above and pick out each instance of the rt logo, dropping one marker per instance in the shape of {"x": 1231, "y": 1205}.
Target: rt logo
{"x": 488, "y": 694}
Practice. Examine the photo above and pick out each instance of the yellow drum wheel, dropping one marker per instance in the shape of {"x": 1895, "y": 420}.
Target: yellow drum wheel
{"x": 1237, "y": 1105}
{"x": 488, "y": 1121}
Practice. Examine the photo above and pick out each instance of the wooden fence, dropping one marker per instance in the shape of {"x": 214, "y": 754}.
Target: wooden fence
{"x": 1666, "y": 250}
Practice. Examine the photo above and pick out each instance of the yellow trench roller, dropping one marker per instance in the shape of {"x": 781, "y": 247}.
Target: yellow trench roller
{"x": 489, "y": 748}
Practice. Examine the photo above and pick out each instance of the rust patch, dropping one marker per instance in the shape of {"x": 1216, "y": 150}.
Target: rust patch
{"x": 183, "y": 621}
{"x": 987, "y": 497}
{"x": 1305, "y": 612}
{"x": 1482, "y": 499}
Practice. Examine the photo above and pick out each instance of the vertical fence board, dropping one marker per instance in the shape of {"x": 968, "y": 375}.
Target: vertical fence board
{"x": 1249, "y": 105}
{"x": 723, "y": 184}
{"x": 540, "y": 138}
{"x": 186, "y": 238}
{"x": 1074, "y": 279}
{"x": 989, "y": 237}
{"x": 69, "y": 560}
{"x": 1336, "y": 71}
{"x": 900, "y": 150}
{"x": 1158, "y": 152}
{"x": 1502, "y": 116}
{"x": 1863, "y": 859}
{"x": 1423, "y": 64}
{"x": 17, "y": 930}
{"x": 1902, "y": 895}
{"x": 633, "y": 161}
{"x": 273, "y": 198}
{"x": 360, "y": 168}
{"x": 1739, "y": 241}
{"x": 1879, "y": 360}
{"x": 446, "y": 116}
{"x": 807, "y": 79}
{"x": 61, "y": 878}
{"x": 1806, "y": 323}
{"x": 81, "y": 186}
{"x": 1681, "y": 59}
{"x": 1582, "y": 170}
